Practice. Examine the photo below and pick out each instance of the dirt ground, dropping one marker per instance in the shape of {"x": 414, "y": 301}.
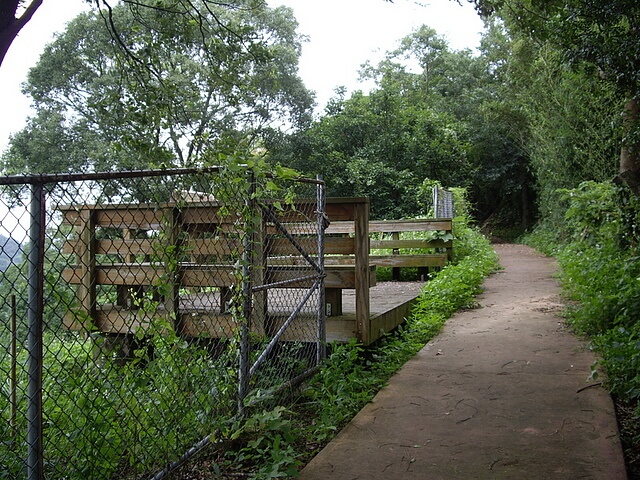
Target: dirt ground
{"x": 501, "y": 393}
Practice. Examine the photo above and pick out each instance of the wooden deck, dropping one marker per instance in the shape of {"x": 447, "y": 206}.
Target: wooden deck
{"x": 172, "y": 252}
{"x": 390, "y": 303}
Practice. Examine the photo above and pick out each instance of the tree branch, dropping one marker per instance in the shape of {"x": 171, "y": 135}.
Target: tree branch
{"x": 10, "y": 25}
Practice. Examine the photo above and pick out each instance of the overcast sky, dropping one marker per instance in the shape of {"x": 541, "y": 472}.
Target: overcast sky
{"x": 343, "y": 34}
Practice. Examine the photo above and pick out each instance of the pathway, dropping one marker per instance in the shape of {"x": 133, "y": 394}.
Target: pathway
{"x": 501, "y": 393}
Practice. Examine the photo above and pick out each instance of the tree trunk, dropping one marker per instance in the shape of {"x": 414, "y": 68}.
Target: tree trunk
{"x": 630, "y": 152}
{"x": 10, "y": 26}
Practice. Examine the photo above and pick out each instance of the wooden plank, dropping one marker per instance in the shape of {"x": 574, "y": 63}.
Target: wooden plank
{"x": 416, "y": 243}
{"x": 413, "y": 225}
{"x": 147, "y": 216}
{"x": 340, "y": 227}
{"x": 385, "y": 322}
{"x": 116, "y": 320}
{"x": 258, "y": 273}
{"x": 337, "y": 276}
{"x": 389, "y": 226}
{"x": 340, "y": 209}
{"x": 210, "y": 325}
{"x": 341, "y": 329}
{"x": 219, "y": 246}
{"x": 339, "y": 245}
{"x": 208, "y": 276}
{"x": 143, "y": 219}
{"x": 87, "y": 260}
{"x": 280, "y": 246}
{"x": 116, "y": 246}
{"x": 118, "y": 274}
{"x": 129, "y": 274}
{"x": 413, "y": 260}
{"x": 332, "y": 246}
{"x": 336, "y": 208}
{"x": 339, "y": 260}
{"x": 205, "y": 215}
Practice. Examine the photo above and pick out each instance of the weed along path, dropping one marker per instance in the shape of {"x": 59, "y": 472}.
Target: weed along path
{"x": 501, "y": 393}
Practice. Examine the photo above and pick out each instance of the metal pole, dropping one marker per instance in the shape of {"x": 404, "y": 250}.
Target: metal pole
{"x": 14, "y": 366}
{"x": 34, "y": 339}
{"x": 435, "y": 202}
{"x": 321, "y": 350}
{"x": 245, "y": 323}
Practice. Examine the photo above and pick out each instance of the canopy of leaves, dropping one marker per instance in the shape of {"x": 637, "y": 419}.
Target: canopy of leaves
{"x": 160, "y": 89}
{"x": 434, "y": 114}
{"x": 602, "y": 32}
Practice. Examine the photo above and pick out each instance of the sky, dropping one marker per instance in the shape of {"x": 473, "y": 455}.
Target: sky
{"x": 342, "y": 35}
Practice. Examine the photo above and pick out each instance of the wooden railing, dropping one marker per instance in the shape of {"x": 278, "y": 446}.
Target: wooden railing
{"x": 345, "y": 237}
{"x": 134, "y": 262}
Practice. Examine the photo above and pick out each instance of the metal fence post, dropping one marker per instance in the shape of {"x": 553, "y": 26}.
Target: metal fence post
{"x": 245, "y": 329}
{"x": 321, "y": 351}
{"x": 34, "y": 340}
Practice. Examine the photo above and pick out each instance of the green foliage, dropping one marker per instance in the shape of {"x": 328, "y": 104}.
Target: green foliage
{"x": 621, "y": 361}
{"x": 267, "y": 442}
{"x": 196, "y": 79}
{"x": 113, "y": 420}
{"x": 434, "y": 113}
{"x": 385, "y": 143}
{"x": 602, "y": 32}
{"x": 597, "y": 270}
{"x": 599, "y": 253}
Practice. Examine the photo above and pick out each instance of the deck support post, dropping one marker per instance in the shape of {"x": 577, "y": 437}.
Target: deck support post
{"x": 361, "y": 247}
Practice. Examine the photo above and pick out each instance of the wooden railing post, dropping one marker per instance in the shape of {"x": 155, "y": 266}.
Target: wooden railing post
{"x": 361, "y": 247}
{"x": 395, "y": 271}
{"x": 87, "y": 258}
{"x": 173, "y": 224}
{"x": 259, "y": 265}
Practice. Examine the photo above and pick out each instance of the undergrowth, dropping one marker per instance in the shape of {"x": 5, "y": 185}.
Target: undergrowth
{"x": 598, "y": 249}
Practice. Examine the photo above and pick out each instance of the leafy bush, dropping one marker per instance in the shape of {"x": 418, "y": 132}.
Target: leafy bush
{"x": 599, "y": 255}
{"x": 622, "y": 361}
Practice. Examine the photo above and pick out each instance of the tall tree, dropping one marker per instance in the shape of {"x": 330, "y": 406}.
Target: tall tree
{"x": 603, "y": 33}
{"x": 385, "y": 144}
{"x": 15, "y": 14}
{"x": 182, "y": 90}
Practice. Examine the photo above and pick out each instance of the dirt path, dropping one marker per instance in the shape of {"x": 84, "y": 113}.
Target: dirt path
{"x": 501, "y": 393}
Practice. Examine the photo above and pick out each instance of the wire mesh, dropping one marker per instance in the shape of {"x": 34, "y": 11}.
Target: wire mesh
{"x": 442, "y": 203}
{"x": 169, "y": 303}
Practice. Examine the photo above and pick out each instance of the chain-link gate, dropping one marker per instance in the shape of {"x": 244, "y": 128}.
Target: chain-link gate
{"x": 141, "y": 311}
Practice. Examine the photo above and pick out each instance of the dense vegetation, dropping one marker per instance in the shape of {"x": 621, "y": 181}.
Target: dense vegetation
{"x": 598, "y": 250}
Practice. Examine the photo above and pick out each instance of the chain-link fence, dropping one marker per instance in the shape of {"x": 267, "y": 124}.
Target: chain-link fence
{"x": 140, "y": 312}
{"x": 442, "y": 203}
